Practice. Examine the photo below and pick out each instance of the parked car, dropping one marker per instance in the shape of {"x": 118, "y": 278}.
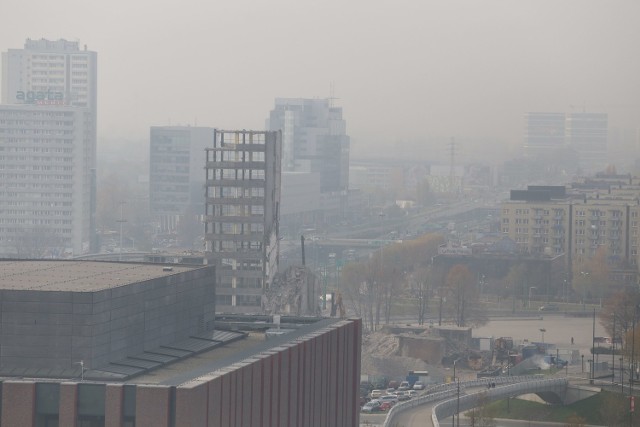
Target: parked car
{"x": 385, "y": 406}
{"x": 404, "y": 395}
{"x": 393, "y": 384}
{"x": 389, "y": 398}
{"x": 391, "y": 390}
{"x": 372, "y": 406}
{"x": 404, "y": 385}
{"x": 412, "y": 393}
{"x": 377, "y": 393}
{"x": 364, "y": 400}
{"x": 418, "y": 385}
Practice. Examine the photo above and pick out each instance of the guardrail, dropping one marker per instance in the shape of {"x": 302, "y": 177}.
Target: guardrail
{"x": 463, "y": 403}
{"x": 443, "y": 391}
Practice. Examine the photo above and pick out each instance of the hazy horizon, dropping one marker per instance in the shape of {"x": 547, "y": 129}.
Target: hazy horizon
{"x": 410, "y": 75}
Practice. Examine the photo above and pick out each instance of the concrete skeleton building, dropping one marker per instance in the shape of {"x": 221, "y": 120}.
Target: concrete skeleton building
{"x": 93, "y": 344}
{"x": 48, "y": 150}
{"x": 242, "y": 199}
{"x": 551, "y": 220}
{"x": 176, "y": 181}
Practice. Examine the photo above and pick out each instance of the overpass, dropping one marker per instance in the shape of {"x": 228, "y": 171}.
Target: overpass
{"x": 446, "y": 400}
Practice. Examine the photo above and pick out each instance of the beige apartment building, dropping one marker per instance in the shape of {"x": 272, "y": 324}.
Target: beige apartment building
{"x": 550, "y": 220}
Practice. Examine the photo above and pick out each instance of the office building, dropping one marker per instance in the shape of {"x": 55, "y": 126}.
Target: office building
{"x": 242, "y": 199}
{"x": 314, "y": 140}
{"x": 48, "y": 135}
{"x": 587, "y": 134}
{"x": 176, "y": 173}
{"x": 315, "y": 143}
{"x": 544, "y": 132}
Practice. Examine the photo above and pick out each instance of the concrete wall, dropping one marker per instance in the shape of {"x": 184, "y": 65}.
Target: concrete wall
{"x": 46, "y": 329}
{"x": 312, "y": 381}
{"x": 429, "y": 349}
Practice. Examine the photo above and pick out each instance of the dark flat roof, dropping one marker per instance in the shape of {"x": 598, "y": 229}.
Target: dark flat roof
{"x": 78, "y": 276}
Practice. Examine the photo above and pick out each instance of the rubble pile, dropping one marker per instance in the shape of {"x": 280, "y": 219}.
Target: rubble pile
{"x": 295, "y": 291}
{"x": 379, "y": 357}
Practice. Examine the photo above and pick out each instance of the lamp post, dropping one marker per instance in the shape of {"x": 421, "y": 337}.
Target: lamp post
{"x": 543, "y": 330}
{"x": 584, "y": 274}
{"x": 121, "y": 221}
{"x": 453, "y": 417}
{"x": 621, "y": 376}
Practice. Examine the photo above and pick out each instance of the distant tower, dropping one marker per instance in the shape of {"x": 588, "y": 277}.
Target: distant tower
{"x": 452, "y": 166}
{"x": 588, "y": 134}
{"x": 314, "y": 139}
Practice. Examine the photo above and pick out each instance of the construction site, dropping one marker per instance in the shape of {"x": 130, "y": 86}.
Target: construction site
{"x": 503, "y": 346}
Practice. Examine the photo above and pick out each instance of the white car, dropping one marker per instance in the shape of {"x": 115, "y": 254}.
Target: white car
{"x": 418, "y": 385}
{"x": 391, "y": 398}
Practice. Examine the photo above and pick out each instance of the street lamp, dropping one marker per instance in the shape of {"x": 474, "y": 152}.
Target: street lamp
{"x": 621, "y": 376}
{"x": 584, "y": 274}
{"x": 543, "y": 330}
{"x": 453, "y": 418}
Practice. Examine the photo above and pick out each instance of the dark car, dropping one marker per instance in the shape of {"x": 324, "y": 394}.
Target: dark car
{"x": 372, "y": 406}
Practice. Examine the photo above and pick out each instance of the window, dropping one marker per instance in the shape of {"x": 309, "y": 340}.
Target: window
{"x": 91, "y": 405}
{"x": 47, "y": 404}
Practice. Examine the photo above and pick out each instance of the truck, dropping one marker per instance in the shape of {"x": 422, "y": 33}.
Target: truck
{"x": 413, "y": 376}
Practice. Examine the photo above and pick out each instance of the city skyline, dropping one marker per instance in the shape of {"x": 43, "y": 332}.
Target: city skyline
{"x": 468, "y": 72}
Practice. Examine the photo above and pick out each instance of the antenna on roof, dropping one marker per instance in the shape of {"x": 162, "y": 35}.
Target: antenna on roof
{"x": 332, "y": 90}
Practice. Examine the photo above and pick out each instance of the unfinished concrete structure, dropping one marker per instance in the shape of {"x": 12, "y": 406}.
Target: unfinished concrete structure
{"x": 241, "y": 215}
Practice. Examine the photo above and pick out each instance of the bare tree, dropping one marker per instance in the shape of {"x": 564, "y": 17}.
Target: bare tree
{"x": 482, "y": 415}
{"x": 516, "y": 279}
{"x": 464, "y": 297}
{"x": 38, "y": 243}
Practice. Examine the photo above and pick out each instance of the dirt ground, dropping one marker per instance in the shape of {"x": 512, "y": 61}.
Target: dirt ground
{"x": 379, "y": 349}
{"x": 380, "y": 357}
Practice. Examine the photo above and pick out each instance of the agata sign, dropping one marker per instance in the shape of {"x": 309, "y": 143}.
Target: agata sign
{"x": 31, "y": 97}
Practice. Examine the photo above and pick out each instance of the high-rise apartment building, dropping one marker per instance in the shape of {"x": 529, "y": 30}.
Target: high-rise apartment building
{"x": 241, "y": 215}
{"x": 48, "y": 149}
{"x": 47, "y": 180}
{"x": 176, "y": 179}
{"x": 314, "y": 140}
{"x": 50, "y": 72}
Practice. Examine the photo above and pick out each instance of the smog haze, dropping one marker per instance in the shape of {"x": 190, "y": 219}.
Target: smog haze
{"x": 413, "y": 72}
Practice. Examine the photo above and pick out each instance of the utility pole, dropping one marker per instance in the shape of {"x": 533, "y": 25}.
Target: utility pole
{"x": 121, "y": 221}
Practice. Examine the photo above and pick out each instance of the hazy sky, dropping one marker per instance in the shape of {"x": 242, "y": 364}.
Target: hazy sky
{"x": 409, "y": 70}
